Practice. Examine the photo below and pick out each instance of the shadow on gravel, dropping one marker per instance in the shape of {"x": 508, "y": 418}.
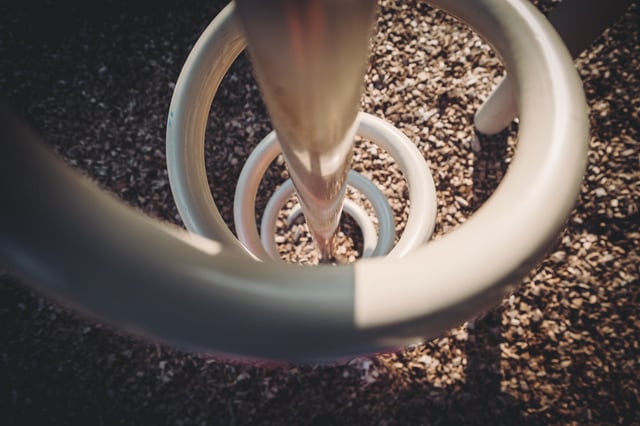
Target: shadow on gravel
{"x": 476, "y": 399}
{"x": 61, "y": 369}
{"x": 490, "y": 164}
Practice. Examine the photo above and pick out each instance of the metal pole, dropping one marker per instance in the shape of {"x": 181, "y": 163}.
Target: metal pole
{"x": 310, "y": 57}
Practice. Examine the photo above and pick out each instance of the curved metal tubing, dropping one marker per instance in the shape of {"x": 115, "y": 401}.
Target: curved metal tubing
{"x": 373, "y": 246}
{"x": 88, "y": 249}
{"x": 422, "y": 194}
{"x": 578, "y": 23}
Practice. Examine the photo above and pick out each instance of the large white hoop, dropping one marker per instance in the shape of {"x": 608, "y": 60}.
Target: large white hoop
{"x": 452, "y": 278}
{"x": 210, "y": 294}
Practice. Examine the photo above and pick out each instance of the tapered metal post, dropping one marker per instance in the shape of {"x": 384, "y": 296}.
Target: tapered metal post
{"x": 310, "y": 57}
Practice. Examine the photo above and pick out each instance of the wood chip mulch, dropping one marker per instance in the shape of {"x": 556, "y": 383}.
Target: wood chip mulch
{"x": 96, "y": 80}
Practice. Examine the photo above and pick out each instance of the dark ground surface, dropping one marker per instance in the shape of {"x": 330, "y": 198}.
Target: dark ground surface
{"x": 96, "y": 82}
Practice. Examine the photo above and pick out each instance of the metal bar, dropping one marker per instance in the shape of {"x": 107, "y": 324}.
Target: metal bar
{"x": 310, "y": 57}
{"x": 578, "y": 23}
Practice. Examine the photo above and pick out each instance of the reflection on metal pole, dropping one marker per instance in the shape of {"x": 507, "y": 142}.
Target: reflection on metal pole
{"x": 310, "y": 57}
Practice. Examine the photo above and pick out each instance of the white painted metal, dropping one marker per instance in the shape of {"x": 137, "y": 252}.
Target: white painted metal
{"x": 466, "y": 270}
{"x": 578, "y": 23}
{"x": 369, "y": 234}
{"x": 155, "y": 280}
{"x": 372, "y": 247}
{"x": 374, "y": 244}
{"x": 422, "y": 213}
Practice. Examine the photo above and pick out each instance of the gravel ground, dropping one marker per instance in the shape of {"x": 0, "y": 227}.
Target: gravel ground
{"x": 96, "y": 82}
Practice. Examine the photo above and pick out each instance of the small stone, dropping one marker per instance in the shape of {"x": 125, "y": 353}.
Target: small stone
{"x": 600, "y": 192}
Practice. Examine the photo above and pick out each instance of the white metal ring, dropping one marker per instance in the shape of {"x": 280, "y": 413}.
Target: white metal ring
{"x": 436, "y": 285}
{"x": 422, "y": 193}
{"x": 368, "y": 229}
{"x": 280, "y": 197}
{"x": 374, "y": 245}
{"x": 152, "y": 279}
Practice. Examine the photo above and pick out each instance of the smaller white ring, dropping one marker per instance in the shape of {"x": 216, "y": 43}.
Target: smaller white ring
{"x": 373, "y": 245}
{"x": 363, "y": 220}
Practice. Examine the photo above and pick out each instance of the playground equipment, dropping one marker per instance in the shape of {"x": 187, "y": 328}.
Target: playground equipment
{"x": 218, "y": 294}
{"x": 578, "y": 23}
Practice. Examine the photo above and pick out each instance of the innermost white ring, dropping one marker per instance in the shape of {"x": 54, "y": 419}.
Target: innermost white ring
{"x": 374, "y": 245}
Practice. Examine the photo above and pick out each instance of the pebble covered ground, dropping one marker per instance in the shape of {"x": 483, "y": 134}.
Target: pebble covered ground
{"x": 96, "y": 80}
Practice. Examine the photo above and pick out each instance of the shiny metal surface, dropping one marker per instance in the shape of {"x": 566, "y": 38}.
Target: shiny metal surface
{"x": 310, "y": 57}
